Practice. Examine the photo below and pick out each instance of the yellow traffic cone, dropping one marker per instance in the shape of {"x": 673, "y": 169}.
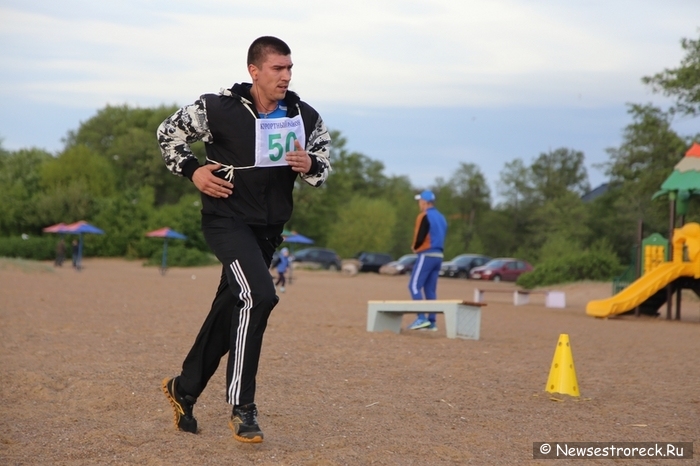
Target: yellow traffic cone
{"x": 562, "y": 375}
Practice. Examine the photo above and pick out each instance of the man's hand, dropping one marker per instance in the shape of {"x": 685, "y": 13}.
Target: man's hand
{"x": 209, "y": 184}
{"x": 298, "y": 159}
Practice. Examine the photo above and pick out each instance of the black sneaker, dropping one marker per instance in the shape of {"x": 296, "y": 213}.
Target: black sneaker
{"x": 244, "y": 424}
{"x": 182, "y": 406}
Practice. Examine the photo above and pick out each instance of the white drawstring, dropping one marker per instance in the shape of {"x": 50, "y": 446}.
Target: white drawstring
{"x": 227, "y": 169}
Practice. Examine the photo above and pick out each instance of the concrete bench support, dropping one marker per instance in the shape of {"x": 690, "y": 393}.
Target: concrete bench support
{"x": 462, "y": 318}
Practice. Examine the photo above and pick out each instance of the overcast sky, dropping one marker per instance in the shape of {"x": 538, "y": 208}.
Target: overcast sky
{"x": 420, "y": 85}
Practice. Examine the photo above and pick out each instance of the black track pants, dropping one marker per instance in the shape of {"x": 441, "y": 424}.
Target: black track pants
{"x": 239, "y": 313}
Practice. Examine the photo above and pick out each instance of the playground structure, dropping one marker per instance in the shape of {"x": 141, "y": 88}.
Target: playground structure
{"x": 661, "y": 278}
{"x": 649, "y": 292}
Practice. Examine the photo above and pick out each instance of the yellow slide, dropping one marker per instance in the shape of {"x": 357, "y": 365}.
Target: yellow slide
{"x": 686, "y": 238}
{"x": 640, "y": 290}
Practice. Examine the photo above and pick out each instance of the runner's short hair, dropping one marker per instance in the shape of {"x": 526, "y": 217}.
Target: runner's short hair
{"x": 262, "y": 46}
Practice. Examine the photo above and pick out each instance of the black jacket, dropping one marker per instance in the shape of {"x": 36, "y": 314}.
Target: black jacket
{"x": 226, "y": 123}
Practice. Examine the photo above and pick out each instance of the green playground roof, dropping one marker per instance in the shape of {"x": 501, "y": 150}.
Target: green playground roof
{"x": 686, "y": 174}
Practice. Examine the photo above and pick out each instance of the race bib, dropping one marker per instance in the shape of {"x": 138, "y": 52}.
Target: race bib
{"x": 274, "y": 137}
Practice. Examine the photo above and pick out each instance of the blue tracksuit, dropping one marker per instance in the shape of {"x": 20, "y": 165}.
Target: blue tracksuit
{"x": 428, "y": 242}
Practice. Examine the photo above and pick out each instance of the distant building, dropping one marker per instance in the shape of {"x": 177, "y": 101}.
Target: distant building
{"x": 596, "y": 193}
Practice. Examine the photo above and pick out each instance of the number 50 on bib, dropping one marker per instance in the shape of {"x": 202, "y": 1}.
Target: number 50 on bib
{"x": 275, "y": 137}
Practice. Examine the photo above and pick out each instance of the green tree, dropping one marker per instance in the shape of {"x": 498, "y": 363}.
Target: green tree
{"x": 124, "y": 219}
{"x": 79, "y": 165}
{"x": 514, "y": 185}
{"x": 471, "y": 195}
{"x": 646, "y": 157}
{"x": 100, "y": 132}
{"x": 184, "y": 217}
{"x": 399, "y": 192}
{"x": 561, "y": 223}
{"x": 536, "y": 199}
{"x": 363, "y": 225}
{"x": 556, "y": 172}
{"x": 65, "y": 204}
{"x": 682, "y": 83}
{"x": 138, "y": 162}
{"x": 604, "y": 222}
{"x": 511, "y": 224}
{"x": 540, "y": 202}
{"x": 463, "y": 199}
{"x": 500, "y": 237}
{"x": 352, "y": 173}
{"x": 313, "y": 212}
{"x": 126, "y": 138}
{"x": 19, "y": 185}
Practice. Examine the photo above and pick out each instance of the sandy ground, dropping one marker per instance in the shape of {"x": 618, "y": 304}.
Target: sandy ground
{"x": 83, "y": 354}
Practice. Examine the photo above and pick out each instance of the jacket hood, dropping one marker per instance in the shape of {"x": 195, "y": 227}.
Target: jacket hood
{"x": 241, "y": 91}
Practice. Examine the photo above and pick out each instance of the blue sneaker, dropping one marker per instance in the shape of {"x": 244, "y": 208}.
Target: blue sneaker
{"x": 419, "y": 323}
{"x": 432, "y": 326}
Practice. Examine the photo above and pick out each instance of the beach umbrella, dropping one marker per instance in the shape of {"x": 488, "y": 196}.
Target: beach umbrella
{"x": 297, "y": 238}
{"x": 82, "y": 227}
{"x": 77, "y": 228}
{"x": 165, "y": 233}
{"x": 57, "y": 228}
{"x": 293, "y": 237}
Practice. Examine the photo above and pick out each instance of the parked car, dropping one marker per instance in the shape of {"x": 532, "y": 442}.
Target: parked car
{"x": 372, "y": 261}
{"x": 461, "y": 265}
{"x": 323, "y": 257}
{"x": 504, "y": 268}
{"x": 399, "y": 267}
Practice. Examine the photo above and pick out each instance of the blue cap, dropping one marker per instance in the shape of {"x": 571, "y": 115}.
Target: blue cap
{"x": 284, "y": 250}
{"x": 426, "y": 195}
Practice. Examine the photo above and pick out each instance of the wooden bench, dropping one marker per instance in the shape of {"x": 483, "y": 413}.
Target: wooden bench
{"x": 462, "y": 318}
{"x": 521, "y": 297}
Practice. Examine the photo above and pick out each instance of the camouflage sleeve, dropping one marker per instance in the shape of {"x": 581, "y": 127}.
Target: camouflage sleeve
{"x": 319, "y": 146}
{"x": 178, "y": 131}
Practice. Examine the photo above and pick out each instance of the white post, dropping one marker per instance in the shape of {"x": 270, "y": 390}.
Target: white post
{"x": 555, "y": 299}
{"x": 521, "y": 298}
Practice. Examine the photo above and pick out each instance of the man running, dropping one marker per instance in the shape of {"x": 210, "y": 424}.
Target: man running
{"x": 259, "y": 138}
